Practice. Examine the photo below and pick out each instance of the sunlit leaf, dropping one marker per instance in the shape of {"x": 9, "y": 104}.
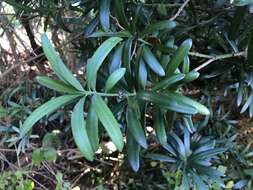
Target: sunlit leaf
{"x": 104, "y": 14}
{"x": 79, "y": 131}
{"x": 57, "y": 85}
{"x": 167, "y": 102}
{"x": 135, "y": 128}
{"x": 178, "y": 56}
{"x": 44, "y": 110}
{"x": 97, "y": 59}
{"x": 109, "y": 122}
{"x": 57, "y": 65}
{"x": 114, "y": 78}
{"x": 152, "y": 61}
{"x": 161, "y": 25}
{"x": 133, "y": 152}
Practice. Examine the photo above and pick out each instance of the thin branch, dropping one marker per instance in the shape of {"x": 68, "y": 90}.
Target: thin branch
{"x": 180, "y": 10}
{"x": 219, "y": 57}
{"x": 197, "y": 54}
{"x": 19, "y": 65}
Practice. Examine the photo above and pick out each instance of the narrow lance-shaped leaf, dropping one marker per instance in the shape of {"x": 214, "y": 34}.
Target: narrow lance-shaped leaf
{"x": 159, "y": 126}
{"x": 191, "y": 76}
{"x": 142, "y": 74}
{"x": 92, "y": 127}
{"x": 116, "y": 59}
{"x": 167, "y": 102}
{"x": 127, "y": 53}
{"x": 104, "y": 14}
{"x": 91, "y": 27}
{"x": 178, "y": 56}
{"x": 114, "y": 78}
{"x": 57, "y": 65}
{"x": 152, "y": 62}
{"x": 120, "y": 11}
{"x": 179, "y": 145}
{"x": 97, "y": 59}
{"x": 109, "y": 122}
{"x": 167, "y": 82}
{"x": 133, "y": 152}
{"x": 185, "y": 100}
{"x": 135, "y": 128}
{"x": 186, "y": 65}
{"x": 161, "y": 25}
{"x": 57, "y": 85}
{"x": 247, "y": 103}
{"x": 187, "y": 120}
{"x": 236, "y": 22}
{"x": 199, "y": 182}
{"x": 79, "y": 131}
{"x": 45, "y": 109}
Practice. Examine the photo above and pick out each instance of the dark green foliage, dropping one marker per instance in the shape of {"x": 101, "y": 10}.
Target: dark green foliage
{"x": 150, "y": 83}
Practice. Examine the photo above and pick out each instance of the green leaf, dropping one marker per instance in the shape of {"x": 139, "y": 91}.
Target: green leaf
{"x": 152, "y": 62}
{"x": 133, "y": 152}
{"x": 185, "y": 100}
{"x": 91, "y": 27}
{"x": 187, "y": 120}
{"x": 135, "y": 128}
{"x": 104, "y": 14}
{"x": 236, "y": 22}
{"x": 120, "y": 12}
{"x": 97, "y": 59}
{"x": 127, "y": 53}
{"x": 186, "y": 65}
{"x": 116, "y": 59}
{"x": 79, "y": 131}
{"x": 178, "y": 56}
{"x": 37, "y": 156}
{"x": 197, "y": 180}
{"x": 57, "y": 85}
{"x": 142, "y": 74}
{"x": 241, "y": 2}
{"x": 159, "y": 127}
{"x": 92, "y": 127}
{"x": 161, "y": 25}
{"x": 50, "y": 154}
{"x": 207, "y": 154}
{"x": 44, "y": 110}
{"x": 106, "y": 117}
{"x": 191, "y": 76}
{"x": 51, "y": 140}
{"x": 114, "y": 78}
{"x": 57, "y": 65}
{"x": 165, "y": 83}
{"x": 250, "y": 49}
{"x": 167, "y": 102}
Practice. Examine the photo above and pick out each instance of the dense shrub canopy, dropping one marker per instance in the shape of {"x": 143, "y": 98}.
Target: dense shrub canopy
{"x": 98, "y": 87}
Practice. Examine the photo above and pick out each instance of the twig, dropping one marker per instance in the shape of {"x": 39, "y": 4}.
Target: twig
{"x": 197, "y": 54}
{"x": 180, "y": 10}
{"x": 18, "y": 65}
{"x": 117, "y": 22}
{"x": 219, "y": 57}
